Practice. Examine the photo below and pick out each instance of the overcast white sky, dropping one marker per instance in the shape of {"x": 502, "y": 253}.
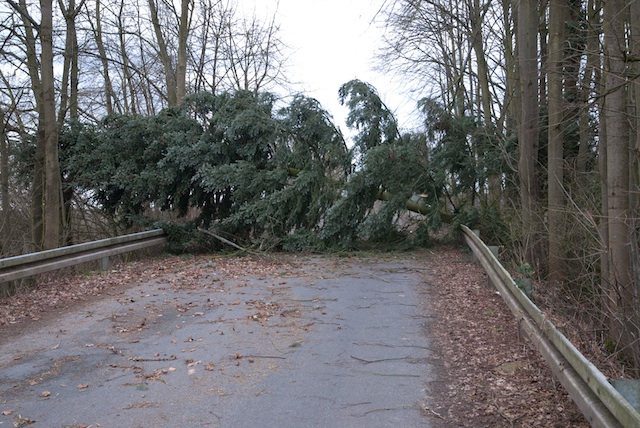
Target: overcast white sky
{"x": 332, "y": 42}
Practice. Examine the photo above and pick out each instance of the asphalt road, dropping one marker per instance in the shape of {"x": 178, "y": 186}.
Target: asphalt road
{"x": 319, "y": 342}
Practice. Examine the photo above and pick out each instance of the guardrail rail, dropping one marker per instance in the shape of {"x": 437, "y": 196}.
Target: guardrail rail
{"x": 595, "y": 396}
{"x": 18, "y": 267}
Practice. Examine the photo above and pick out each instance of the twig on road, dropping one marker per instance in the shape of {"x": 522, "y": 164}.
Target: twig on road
{"x": 171, "y": 358}
{"x": 378, "y": 361}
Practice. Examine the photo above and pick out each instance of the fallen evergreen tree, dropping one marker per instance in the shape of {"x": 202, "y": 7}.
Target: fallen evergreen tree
{"x": 263, "y": 176}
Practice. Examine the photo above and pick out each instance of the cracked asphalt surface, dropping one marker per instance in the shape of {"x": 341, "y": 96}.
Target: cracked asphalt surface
{"x": 309, "y": 341}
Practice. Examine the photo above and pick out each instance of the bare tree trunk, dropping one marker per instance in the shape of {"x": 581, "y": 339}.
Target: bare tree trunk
{"x": 512, "y": 91}
{"x": 635, "y": 86}
{"x": 183, "y": 33}
{"x": 4, "y": 183}
{"x": 603, "y": 227}
{"x": 128, "y": 90}
{"x": 69, "y": 86}
{"x": 37, "y": 187}
{"x": 634, "y": 170}
{"x": 163, "y": 52}
{"x": 477, "y": 14}
{"x": 53, "y": 188}
{"x": 529, "y": 128}
{"x": 590, "y": 76}
{"x": 620, "y": 296}
{"x": 557, "y": 17}
{"x": 75, "y": 65}
{"x": 97, "y": 32}
{"x": 544, "y": 50}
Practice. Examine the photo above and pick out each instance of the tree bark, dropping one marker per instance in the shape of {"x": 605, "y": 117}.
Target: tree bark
{"x": 183, "y": 33}
{"x": 163, "y": 52}
{"x": 69, "y": 85}
{"x": 555, "y": 190}
{"x": 4, "y": 184}
{"x": 635, "y": 86}
{"x": 620, "y": 293}
{"x": 529, "y": 128}
{"x": 53, "y": 188}
{"x": 128, "y": 91}
{"x": 108, "y": 85}
{"x": 591, "y": 76}
{"x": 37, "y": 187}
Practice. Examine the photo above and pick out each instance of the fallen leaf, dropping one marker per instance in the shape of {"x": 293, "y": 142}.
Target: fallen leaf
{"x": 83, "y": 386}
{"x": 210, "y": 367}
{"x": 7, "y": 412}
{"x": 20, "y": 422}
{"x": 45, "y": 393}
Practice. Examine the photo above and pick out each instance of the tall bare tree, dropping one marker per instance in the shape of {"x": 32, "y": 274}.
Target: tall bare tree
{"x": 53, "y": 187}
{"x": 96, "y": 26}
{"x": 558, "y": 14}
{"x": 184, "y": 26}
{"x": 5, "y": 220}
{"x": 46, "y": 189}
{"x": 528, "y": 136}
{"x": 621, "y": 288}
{"x": 70, "y": 72}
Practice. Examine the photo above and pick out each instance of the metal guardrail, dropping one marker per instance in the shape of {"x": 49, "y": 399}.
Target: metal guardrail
{"x": 27, "y": 265}
{"x": 598, "y": 400}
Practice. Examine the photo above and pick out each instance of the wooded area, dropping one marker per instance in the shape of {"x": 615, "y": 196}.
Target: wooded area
{"x": 120, "y": 115}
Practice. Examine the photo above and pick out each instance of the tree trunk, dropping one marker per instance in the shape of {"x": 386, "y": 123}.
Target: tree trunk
{"x": 620, "y": 294}
{"x": 591, "y": 75}
{"x": 69, "y": 85}
{"x": 557, "y": 17}
{"x": 128, "y": 91}
{"x": 529, "y": 128}
{"x": 37, "y": 187}
{"x": 484, "y": 94}
{"x": 603, "y": 226}
{"x": 183, "y": 33}
{"x": 163, "y": 52}
{"x": 635, "y": 84}
{"x": 108, "y": 86}
{"x": 4, "y": 185}
{"x": 513, "y": 100}
{"x": 53, "y": 189}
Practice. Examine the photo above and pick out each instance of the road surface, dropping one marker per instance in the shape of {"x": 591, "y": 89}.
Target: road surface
{"x": 309, "y": 341}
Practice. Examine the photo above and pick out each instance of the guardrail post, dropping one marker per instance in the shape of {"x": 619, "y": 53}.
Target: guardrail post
{"x": 105, "y": 263}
